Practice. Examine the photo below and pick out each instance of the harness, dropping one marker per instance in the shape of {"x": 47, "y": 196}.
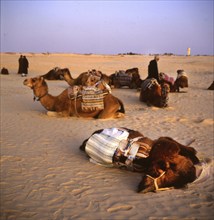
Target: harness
{"x": 156, "y": 184}
{"x": 149, "y": 83}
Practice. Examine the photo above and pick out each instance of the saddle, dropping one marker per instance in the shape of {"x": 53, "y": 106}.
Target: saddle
{"x": 123, "y": 78}
{"x": 149, "y": 83}
{"x": 167, "y": 78}
{"x": 114, "y": 148}
{"x": 92, "y": 97}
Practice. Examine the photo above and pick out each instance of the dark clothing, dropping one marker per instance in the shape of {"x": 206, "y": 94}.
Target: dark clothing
{"x": 25, "y": 65}
{"x": 153, "y": 70}
{"x": 20, "y": 65}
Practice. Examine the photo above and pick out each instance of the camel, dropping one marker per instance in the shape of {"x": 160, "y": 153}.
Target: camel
{"x": 154, "y": 94}
{"x": 4, "y": 71}
{"x": 83, "y": 77}
{"x": 164, "y": 162}
{"x": 69, "y": 102}
{"x": 54, "y": 74}
{"x": 175, "y": 85}
{"x": 211, "y": 87}
{"x": 181, "y": 81}
{"x": 130, "y": 78}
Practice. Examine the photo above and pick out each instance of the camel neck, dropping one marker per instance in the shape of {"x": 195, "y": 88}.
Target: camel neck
{"x": 37, "y": 98}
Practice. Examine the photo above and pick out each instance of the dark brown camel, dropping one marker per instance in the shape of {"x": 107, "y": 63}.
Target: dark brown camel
{"x": 130, "y": 78}
{"x": 164, "y": 162}
{"x": 66, "y": 104}
{"x": 4, "y": 71}
{"x": 180, "y": 82}
{"x": 175, "y": 85}
{"x": 153, "y": 93}
{"x": 211, "y": 87}
{"x": 54, "y": 74}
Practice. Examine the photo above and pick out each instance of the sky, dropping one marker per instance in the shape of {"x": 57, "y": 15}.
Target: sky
{"x": 108, "y": 27}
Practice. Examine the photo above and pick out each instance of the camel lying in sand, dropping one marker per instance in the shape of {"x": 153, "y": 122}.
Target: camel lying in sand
{"x": 71, "y": 101}
{"x": 211, "y": 87}
{"x": 83, "y": 77}
{"x": 164, "y": 162}
{"x": 4, "y": 71}
{"x": 154, "y": 93}
{"x": 175, "y": 85}
{"x": 130, "y": 78}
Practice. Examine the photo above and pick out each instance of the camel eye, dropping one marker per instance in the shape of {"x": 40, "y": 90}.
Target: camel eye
{"x": 173, "y": 166}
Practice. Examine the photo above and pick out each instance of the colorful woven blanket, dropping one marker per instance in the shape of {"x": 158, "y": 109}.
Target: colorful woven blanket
{"x": 92, "y": 99}
{"x": 166, "y": 78}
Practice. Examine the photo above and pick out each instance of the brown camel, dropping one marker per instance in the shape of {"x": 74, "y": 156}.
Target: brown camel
{"x": 211, "y": 87}
{"x": 130, "y": 78}
{"x": 180, "y": 82}
{"x": 175, "y": 85}
{"x": 69, "y": 103}
{"x": 164, "y": 162}
{"x": 83, "y": 77}
{"x": 4, "y": 71}
{"x": 154, "y": 94}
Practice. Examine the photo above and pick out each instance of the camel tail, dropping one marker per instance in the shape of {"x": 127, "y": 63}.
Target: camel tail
{"x": 122, "y": 109}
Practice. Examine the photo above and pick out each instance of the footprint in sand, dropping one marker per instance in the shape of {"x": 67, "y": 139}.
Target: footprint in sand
{"x": 119, "y": 208}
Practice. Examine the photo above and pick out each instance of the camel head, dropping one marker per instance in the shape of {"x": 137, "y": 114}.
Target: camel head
{"x": 167, "y": 167}
{"x": 35, "y": 82}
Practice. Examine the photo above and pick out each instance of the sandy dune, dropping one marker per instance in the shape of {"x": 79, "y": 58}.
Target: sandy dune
{"x": 45, "y": 176}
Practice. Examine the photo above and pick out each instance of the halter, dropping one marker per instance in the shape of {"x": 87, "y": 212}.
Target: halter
{"x": 156, "y": 184}
{"x": 38, "y": 98}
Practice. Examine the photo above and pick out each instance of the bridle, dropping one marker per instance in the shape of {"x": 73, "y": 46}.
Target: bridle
{"x": 38, "y": 98}
{"x": 156, "y": 184}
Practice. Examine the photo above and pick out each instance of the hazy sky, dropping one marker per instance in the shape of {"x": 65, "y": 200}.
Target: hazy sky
{"x": 107, "y": 27}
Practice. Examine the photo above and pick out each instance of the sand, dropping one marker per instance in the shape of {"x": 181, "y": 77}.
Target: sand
{"x": 44, "y": 175}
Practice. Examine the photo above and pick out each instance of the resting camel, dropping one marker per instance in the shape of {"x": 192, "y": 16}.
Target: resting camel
{"x": 154, "y": 93}
{"x": 130, "y": 78}
{"x": 54, "y": 74}
{"x": 211, "y": 87}
{"x": 175, "y": 85}
{"x": 4, "y": 71}
{"x": 83, "y": 77}
{"x": 69, "y": 102}
{"x": 164, "y": 162}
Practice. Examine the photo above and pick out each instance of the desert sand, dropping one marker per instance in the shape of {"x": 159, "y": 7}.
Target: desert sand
{"x": 44, "y": 175}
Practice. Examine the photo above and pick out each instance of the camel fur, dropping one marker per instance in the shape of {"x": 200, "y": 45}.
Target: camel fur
{"x": 154, "y": 93}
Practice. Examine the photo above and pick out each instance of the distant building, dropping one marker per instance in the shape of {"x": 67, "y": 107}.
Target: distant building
{"x": 188, "y": 51}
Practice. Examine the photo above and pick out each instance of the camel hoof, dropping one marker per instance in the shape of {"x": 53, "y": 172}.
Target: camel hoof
{"x": 52, "y": 114}
{"x": 119, "y": 115}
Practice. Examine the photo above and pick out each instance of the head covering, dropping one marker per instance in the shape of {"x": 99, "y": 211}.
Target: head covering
{"x": 157, "y": 57}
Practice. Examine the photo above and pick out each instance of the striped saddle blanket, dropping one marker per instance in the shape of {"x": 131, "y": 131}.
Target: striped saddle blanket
{"x": 92, "y": 99}
{"x": 123, "y": 78}
{"x": 108, "y": 147}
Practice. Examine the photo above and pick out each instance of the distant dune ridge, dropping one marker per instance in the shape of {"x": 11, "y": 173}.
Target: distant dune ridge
{"x": 44, "y": 175}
